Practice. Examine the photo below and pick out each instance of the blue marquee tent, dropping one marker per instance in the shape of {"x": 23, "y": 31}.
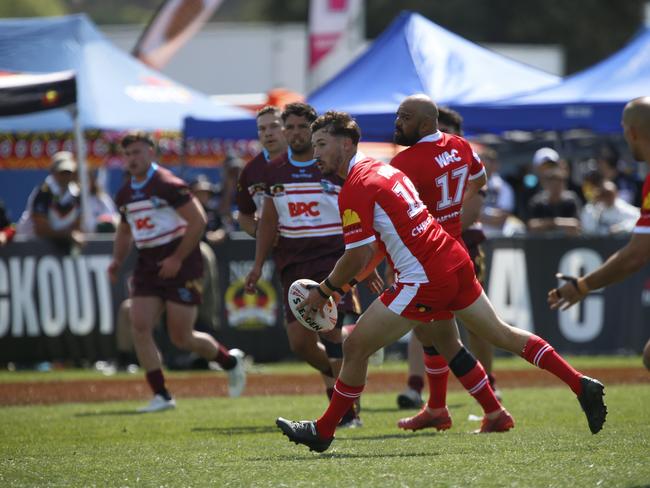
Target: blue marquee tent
{"x": 592, "y": 99}
{"x": 414, "y": 55}
{"x": 115, "y": 91}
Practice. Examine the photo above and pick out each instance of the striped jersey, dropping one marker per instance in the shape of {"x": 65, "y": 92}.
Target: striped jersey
{"x": 380, "y": 203}
{"x": 307, "y": 205}
{"x": 251, "y": 186}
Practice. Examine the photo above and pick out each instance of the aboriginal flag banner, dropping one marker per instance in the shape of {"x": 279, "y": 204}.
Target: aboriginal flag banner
{"x": 27, "y": 93}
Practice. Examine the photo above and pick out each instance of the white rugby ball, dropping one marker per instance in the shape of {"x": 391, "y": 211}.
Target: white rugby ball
{"x": 298, "y": 291}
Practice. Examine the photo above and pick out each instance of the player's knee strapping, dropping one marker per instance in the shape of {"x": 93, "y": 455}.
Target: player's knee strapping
{"x": 462, "y": 363}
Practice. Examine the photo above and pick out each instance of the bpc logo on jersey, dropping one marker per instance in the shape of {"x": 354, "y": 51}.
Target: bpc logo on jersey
{"x": 144, "y": 223}
{"x": 303, "y": 208}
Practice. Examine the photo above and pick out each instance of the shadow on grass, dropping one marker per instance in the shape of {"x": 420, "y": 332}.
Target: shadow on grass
{"x": 337, "y": 455}
{"x": 397, "y": 409}
{"x": 259, "y": 429}
{"x": 111, "y": 413}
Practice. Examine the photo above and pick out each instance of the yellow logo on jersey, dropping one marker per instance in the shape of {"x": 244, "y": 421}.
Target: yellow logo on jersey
{"x": 350, "y": 217}
{"x": 646, "y": 202}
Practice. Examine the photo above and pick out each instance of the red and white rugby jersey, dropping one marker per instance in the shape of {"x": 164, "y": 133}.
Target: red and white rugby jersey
{"x": 379, "y": 202}
{"x": 440, "y": 165}
{"x": 149, "y": 207}
{"x": 251, "y": 186}
{"x": 643, "y": 224}
{"x": 309, "y": 223}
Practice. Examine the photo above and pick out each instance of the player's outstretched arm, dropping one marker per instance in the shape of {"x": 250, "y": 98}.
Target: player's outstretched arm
{"x": 267, "y": 230}
{"x": 624, "y": 262}
{"x": 121, "y": 248}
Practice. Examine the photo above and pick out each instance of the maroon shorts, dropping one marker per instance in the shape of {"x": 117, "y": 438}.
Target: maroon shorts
{"x": 187, "y": 292}
{"x": 317, "y": 271}
{"x": 433, "y": 301}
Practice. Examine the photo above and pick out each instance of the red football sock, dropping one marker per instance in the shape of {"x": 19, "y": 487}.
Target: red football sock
{"x": 342, "y": 399}
{"x": 437, "y": 373}
{"x": 477, "y": 384}
{"x": 540, "y": 353}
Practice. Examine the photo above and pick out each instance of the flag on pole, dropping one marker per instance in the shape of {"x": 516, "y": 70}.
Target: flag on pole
{"x": 336, "y": 32}
{"x": 173, "y": 24}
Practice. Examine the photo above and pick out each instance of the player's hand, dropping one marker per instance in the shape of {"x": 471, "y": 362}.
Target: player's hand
{"x": 374, "y": 282}
{"x": 77, "y": 237}
{"x": 113, "y": 271}
{"x": 566, "y": 295}
{"x": 169, "y": 267}
{"x": 312, "y": 304}
{"x": 251, "y": 280}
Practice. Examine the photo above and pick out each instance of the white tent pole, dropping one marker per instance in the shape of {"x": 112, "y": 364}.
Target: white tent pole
{"x": 80, "y": 151}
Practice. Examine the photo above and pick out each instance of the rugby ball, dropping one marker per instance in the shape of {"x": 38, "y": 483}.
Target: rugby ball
{"x": 298, "y": 291}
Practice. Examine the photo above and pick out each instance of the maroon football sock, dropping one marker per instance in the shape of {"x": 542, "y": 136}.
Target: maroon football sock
{"x": 156, "y": 381}
{"x": 540, "y": 353}
{"x": 416, "y": 382}
{"x": 225, "y": 360}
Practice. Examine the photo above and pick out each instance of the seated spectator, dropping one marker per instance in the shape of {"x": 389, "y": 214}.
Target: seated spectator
{"x": 53, "y": 209}
{"x": 554, "y": 209}
{"x": 102, "y": 214}
{"x": 208, "y": 195}
{"x": 608, "y": 213}
{"x": 609, "y": 165}
{"x": 500, "y": 198}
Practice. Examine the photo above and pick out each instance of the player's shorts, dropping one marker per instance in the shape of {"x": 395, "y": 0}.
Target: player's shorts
{"x": 317, "y": 271}
{"x": 186, "y": 292}
{"x": 429, "y": 301}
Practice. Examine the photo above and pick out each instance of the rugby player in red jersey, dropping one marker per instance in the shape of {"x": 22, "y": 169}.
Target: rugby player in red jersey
{"x": 636, "y": 253}
{"x": 446, "y": 173}
{"x": 166, "y": 223}
{"x": 382, "y": 211}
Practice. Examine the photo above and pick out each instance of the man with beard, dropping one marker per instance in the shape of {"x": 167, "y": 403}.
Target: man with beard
{"x": 446, "y": 172}
{"x": 382, "y": 212}
{"x": 302, "y": 207}
{"x": 636, "y": 253}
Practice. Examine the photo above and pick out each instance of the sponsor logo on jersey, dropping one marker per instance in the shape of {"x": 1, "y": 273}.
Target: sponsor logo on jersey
{"x": 350, "y": 217}
{"x": 157, "y": 202}
{"x": 328, "y": 186}
{"x": 277, "y": 190}
{"x": 303, "y": 208}
{"x": 422, "y": 226}
{"x": 144, "y": 223}
{"x": 447, "y": 157}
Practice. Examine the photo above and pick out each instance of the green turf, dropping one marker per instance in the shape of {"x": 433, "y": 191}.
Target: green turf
{"x": 233, "y": 442}
{"x": 510, "y": 363}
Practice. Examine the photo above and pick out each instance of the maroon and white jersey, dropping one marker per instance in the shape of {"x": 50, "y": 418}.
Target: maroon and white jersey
{"x": 149, "y": 207}
{"x": 440, "y": 165}
{"x": 251, "y": 186}
{"x": 380, "y": 203}
{"x": 643, "y": 224}
{"x": 309, "y": 223}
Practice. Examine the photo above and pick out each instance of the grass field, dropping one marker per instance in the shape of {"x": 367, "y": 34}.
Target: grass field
{"x": 234, "y": 442}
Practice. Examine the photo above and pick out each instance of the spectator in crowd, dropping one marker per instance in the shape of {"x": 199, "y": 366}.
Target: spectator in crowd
{"x": 608, "y": 213}
{"x": 7, "y": 229}
{"x": 609, "y": 163}
{"x": 208, "y": 195}
{"x": 102, "y": 215}
{"x": 554, "y": 209}
{"x": 497, "y": 213}
{"x": 53, "y": 209}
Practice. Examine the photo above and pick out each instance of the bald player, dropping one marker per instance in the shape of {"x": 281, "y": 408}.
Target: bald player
{"x": 446, "y": 172}
{"x": 636, "y": 253}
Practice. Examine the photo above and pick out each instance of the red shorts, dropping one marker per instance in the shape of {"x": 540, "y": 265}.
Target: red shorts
{"x": 317, "y": 271}
{"x": 433, "y": 301}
